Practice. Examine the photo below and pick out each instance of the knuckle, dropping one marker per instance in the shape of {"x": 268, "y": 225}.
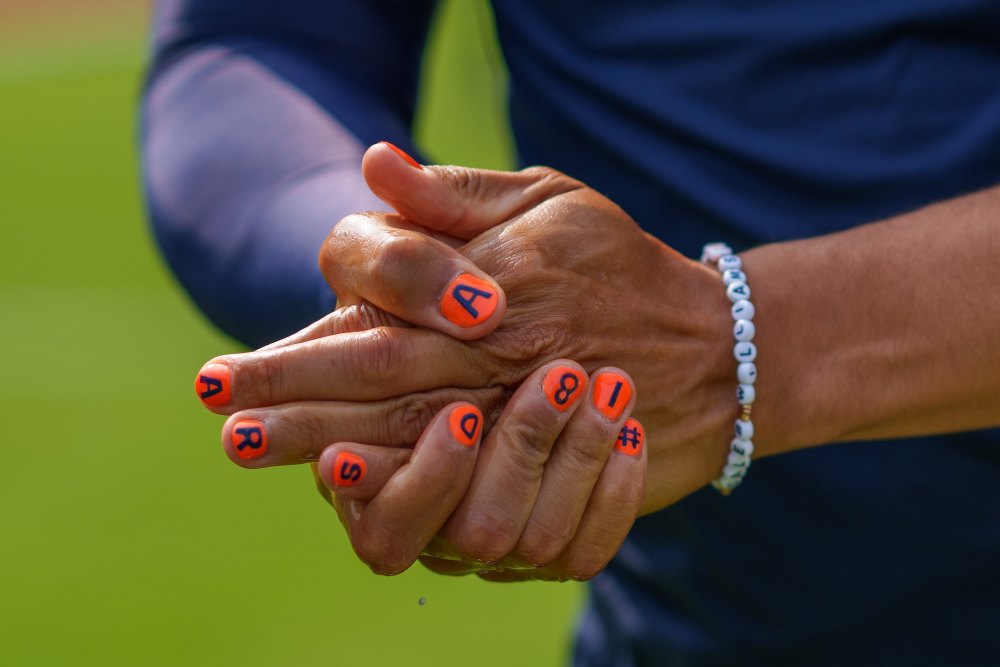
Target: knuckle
{"x": 541, "y": 544}
{"x": 408, "y": 418}
{"x": 261, "y": 379}
{"x": 484, "y": 537}
{"x": 529, "y": 442}
{"x": 466, "y": 182}
{"x": 396, "y": 252}
{"x": 380, "y": 548}
{"x": 586, "y": 562}
{"x": 376, "y": 357}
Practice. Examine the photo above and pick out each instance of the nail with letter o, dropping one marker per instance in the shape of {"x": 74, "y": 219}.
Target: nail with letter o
{"x": 469, "y": 300}
{"x": 249, "y": 439}
{"x": 611, "y": 394}
{"x": 631, "y": 438}
{"x": 213, "y": 385}
{"x": 348, "y": 469}
{"x": 465, "y": 424}
{"x": 562, "y": 386}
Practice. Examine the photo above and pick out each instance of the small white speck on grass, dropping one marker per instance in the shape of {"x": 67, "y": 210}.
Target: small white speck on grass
{"x": 422, "y": 601}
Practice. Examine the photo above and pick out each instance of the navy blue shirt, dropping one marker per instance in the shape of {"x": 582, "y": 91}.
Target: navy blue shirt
{"x": 705, "y": 120}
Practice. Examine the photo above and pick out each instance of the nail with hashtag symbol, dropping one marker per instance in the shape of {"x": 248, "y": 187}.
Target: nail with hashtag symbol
{"x": 631, "y": 438}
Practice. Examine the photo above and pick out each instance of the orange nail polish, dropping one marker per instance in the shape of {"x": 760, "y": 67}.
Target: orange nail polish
{"x": 611, "y": 394}
{"x": 250, "y": 439}
{"x": 465, "y": 424}
{"x": 562, "y": 386}
{"x": 348, "y": 469}
{"x": 403, "y": 154}
{"x": 631, "y": 439}
{"x": 469, "y": 300}
{"x": 213, "y": 385}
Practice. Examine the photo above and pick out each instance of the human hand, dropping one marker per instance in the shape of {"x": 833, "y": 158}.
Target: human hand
{"x": 551, "y": 496}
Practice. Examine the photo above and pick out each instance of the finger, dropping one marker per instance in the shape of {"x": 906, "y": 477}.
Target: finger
{"x": 457, "y": 201}
{"x": 360, "y": 471}
{"x": 578, "y": 457}
{"x": 294, "y": 433}
{"x": 393, "y": 528}
{"x": 360, "y": 366}
{"x": 347, "y": 319}
{"x": 609, "y": 516}
{"x": 489, "y": 522}
{"x": 411, "y": 275}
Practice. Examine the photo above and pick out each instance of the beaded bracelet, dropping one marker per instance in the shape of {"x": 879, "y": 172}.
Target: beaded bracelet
{"x": 721, "y": 256}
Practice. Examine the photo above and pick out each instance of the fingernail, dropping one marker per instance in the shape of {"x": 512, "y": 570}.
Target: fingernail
{"x": 562, "y": 386}
{"x": 611, "y": 395}
{"x": 403, "y": 154}
{"x": 213, "y": 385}
{"x": 348, "y": 469}
{"x": 465, "y": 423}
{"x": 250, "y": 439}
{"x": 469, "y": 300}
{"x": 631, "y": 438}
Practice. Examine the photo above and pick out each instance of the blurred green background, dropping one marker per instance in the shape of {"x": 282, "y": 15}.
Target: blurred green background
{"x": 128, "y": 537}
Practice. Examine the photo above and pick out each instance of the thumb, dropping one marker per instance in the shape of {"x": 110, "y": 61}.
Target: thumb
{"x": 459, "y": 201}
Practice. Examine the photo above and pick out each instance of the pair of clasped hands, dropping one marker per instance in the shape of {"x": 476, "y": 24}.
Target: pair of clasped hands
{"x": 475, "y": 400}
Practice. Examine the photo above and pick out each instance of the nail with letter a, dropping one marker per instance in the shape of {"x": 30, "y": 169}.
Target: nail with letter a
{"x": 562, "y": 386}
{"x": 348, "y": 469}
{"x": 250, "y": 439}
{"x": 213, "y": 385}
{"x": 611, "y": 394}
{"x": 465, "y": 424}
{"x": 469, "y": 300}
{"x": 631, "y": 438}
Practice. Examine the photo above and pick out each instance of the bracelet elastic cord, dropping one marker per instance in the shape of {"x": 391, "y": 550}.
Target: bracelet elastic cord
{"x": 721, "y": 256}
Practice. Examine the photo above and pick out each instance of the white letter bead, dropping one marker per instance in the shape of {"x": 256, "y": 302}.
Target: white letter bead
{"x": 730, "y": 262}
{"x": 743, "y": 310}
{"x": 744, "y": 351}
{"x": 742, "y": 446}
{"x": 711, "y": 252}
{"x": 732, "y": 276}
{"x": 737, "y": 291}
{"x": 745, "y": 394}
{"x": 744, "y": 429}
{"x": 744, "y": 330}
{"x": 733, "y": 471}
{"x": 746, "y": 373}
{"x": 738, "y": 461}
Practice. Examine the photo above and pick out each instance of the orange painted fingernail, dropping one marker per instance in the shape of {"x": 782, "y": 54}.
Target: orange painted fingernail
{"x": 611, "y": 394}
{"x": 465, "y": 423}
{"x": 631, "y": 439}
{"x": 348, "y": 469}
{"x": 250, "y": 439}
{"x": 562, "y": 386}
{"x": 213, "y": 385}
{"x": 403, "y": 154}
{"x": 469, "y": 300}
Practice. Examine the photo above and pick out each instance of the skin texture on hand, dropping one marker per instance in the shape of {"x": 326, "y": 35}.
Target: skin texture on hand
{"x": 556, "y": 486}
{"x": 581, "y": 281}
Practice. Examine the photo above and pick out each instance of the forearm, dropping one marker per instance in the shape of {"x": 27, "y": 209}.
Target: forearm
{"x": 254, "y": 123}
{"x": 886, "y": 330}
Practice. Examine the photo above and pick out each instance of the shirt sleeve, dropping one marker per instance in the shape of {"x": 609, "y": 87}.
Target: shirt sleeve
{"x": 254, "y": 120}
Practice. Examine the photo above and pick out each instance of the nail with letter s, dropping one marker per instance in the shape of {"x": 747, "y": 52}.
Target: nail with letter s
{"x": 349, "y": 469}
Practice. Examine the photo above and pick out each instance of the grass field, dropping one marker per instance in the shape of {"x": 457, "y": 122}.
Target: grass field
{"x": 128, "y": 537}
